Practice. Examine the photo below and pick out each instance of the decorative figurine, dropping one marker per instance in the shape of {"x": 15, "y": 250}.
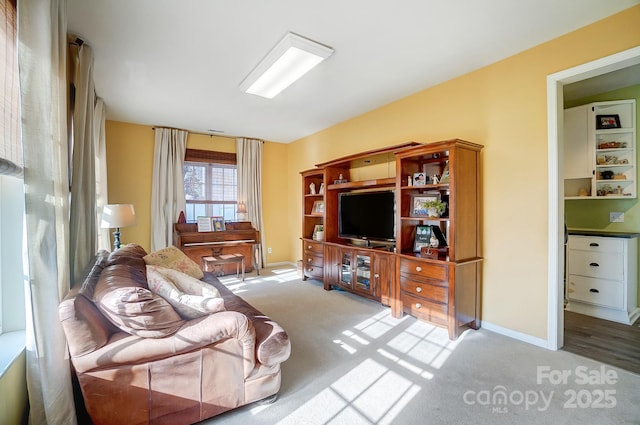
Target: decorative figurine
{"x": 321, "y": 192}
{"x": 435, "y": 179}
{"x": 312, "y": 188}
{"x": 409, "y": 181}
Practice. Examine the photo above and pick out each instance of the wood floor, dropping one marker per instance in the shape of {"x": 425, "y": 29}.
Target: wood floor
{"x": 608, "y": 342}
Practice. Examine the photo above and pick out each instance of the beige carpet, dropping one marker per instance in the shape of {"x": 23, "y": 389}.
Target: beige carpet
{"x": 352, "y": 363}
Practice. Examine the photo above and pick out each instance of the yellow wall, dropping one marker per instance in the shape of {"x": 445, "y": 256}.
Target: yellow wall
{"x": 502, "y": 106}
{"x": 130, "y": 170}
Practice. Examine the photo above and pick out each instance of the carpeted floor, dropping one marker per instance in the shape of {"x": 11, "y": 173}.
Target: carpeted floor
{"x": 352, "y": 363}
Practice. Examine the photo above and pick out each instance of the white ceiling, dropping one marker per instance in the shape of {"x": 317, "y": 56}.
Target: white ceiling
{"x": 179, "y": 63}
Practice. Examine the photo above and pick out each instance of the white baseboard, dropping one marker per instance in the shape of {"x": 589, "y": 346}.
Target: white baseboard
{"x": 281, "y": 263}
{"x": 515, "y": 334}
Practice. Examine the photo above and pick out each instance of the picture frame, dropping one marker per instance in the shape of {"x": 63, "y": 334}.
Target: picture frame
{"x": 422, "y": 237}
{"x": 419, "y": 179}
{"x": 217, "y": 224}
{"x": 418, "y": 201}
{"x": 444, "y": 179}
{"x": 318, "y": 208}
{"x": 604, "y": 122}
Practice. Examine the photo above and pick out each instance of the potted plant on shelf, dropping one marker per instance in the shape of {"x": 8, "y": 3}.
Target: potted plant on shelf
{"x": 435, "y": 208}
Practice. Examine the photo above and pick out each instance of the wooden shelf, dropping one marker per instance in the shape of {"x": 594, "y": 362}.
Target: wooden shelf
{"x": 388, "y": 182}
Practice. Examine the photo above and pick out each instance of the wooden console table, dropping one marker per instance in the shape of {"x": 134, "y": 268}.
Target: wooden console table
{"x": 238, "y": 238}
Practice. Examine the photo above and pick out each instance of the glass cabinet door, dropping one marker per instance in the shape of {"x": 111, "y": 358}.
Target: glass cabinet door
{"x": 346, "y": 272}
{"x": 363, "y": 272}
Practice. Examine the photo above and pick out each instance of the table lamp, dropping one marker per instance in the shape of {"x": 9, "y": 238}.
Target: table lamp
{"x": 241, "y": 212}
{"x": 117, "y": 216}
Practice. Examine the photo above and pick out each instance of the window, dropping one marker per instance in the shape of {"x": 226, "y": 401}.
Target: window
{"x": 210, "y": 184}
{"x": 12, "y": 311}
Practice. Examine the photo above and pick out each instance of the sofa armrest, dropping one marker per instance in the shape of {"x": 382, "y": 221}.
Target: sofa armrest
{"x": 272, "y": 342}
{"x": 125, "y": 349}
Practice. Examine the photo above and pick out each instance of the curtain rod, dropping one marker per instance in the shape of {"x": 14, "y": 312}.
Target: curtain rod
{"x": 205, "y": 134}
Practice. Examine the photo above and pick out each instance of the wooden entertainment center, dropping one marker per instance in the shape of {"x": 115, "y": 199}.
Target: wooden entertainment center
{"x": 440, "y": 285}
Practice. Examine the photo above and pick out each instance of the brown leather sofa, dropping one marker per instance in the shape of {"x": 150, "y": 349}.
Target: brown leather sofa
{"x": 205, "y": 367}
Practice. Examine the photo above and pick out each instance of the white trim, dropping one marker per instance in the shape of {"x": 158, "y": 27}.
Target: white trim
{"x": 281, "y": 263}
{"x": 515, "y": 334}
{"x": 555, "y": 83}
{"x": 13, "y": 344}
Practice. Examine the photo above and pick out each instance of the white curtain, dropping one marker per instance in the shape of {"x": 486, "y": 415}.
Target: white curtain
{"x": 249, "y": 157}
{"x": 99, "y": 137}
{"x": 83, "y": 217}
{"x": 43, "y": 89}
{"x": 167, "y": 192}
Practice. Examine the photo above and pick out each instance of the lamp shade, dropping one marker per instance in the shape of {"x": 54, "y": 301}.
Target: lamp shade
{"x": 118, "y": 215}
{"x": 242, "y": 208}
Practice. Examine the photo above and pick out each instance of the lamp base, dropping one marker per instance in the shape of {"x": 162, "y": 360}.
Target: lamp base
{"x": 116, "y": 239}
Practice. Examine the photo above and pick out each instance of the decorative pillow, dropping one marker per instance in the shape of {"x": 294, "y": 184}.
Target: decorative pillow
{"x": 172, "y": 258}
{"x": 190, "y": 297}
{"x": 121, "y": 296}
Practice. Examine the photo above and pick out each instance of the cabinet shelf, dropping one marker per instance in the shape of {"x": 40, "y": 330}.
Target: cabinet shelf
{"x": 590, "y": 151}
{"x": 364, "y": 184}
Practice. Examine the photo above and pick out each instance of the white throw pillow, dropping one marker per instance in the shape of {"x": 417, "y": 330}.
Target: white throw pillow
{"x": 190, "y": 297}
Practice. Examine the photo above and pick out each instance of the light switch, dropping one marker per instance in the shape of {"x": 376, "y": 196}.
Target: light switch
{"x": 616, "y": 217}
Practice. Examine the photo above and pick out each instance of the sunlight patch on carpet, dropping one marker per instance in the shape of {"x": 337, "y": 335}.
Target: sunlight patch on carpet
{"x": 361, "y": 396}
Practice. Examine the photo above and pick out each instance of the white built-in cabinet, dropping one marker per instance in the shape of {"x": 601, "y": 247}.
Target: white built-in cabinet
{"x": 602, "y": 277}
{"x": 600, "y": 150}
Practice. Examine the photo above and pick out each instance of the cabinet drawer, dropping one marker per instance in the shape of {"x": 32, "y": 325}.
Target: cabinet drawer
{"x": 424, "y": 269}
{"x": 596, "y": 291}
{"x": 424, "y": 290}
{"x": 596, "y": 264}
{"x": 426, "y": 310}
{"x": 313, "y": 272}
{"x": 315, "y": 247}
{"x": 596, "y": 244}
{"x": 313, "y": 259}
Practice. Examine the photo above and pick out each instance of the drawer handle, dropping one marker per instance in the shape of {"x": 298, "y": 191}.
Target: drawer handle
{"x": 594, "y": 244}
{"x": 595, "y": 291}
{"x": 418, "y": 305}
{"x": 594, "y": 264}
{"x": 418, "y": 289}
{"x": 376, "y": 275}
{"x": 309, "y": 269}
{"x": 418, "y": 268}
{"x": 309, "y": 247}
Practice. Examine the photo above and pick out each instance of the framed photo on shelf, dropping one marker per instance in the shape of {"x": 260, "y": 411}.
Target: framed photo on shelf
{"x": 419, "y": 204}
{"x": 419, "y": 179}
{"x": 217, "y": 224}
{"x": 422, "y": 238}
{"x": 445, "y": 174}
{"x": 604, "y": 122}
{"x": 318, "y": 207}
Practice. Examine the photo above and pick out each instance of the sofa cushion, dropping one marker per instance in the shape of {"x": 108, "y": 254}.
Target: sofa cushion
{"x": 92, "y": 273}
{"x": 131, "y": 254}
{"x": 172, "y": 258}
{"x": 190, "y": 297}
{"x": 121, "y": 294}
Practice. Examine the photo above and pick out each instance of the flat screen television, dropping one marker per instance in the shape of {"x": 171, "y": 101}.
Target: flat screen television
{"x": 367, "y": 215}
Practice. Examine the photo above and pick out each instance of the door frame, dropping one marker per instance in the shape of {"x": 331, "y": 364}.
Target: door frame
{"x": 555, "y": 124}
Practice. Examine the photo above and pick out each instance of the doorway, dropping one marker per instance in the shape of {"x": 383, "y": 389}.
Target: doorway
{"x": 589, "y": 72}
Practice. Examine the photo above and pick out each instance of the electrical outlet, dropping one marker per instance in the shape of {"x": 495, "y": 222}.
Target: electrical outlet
{"x": 616, "y": 217}
{"x": 269, "y": 250}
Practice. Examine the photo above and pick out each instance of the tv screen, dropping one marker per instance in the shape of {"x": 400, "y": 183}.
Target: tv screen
{"x": 367, "y": 215}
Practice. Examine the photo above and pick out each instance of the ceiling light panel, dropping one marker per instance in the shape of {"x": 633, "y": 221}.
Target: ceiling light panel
{"x": 289, "y": 60}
